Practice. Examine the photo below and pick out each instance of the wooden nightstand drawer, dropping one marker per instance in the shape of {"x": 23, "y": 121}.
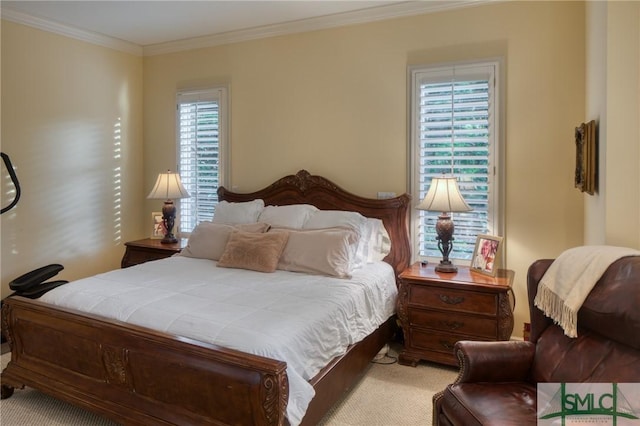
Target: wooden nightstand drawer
{"x": 461, "y": 324}
{"x": 436, "y": 341}
{"x": 141, "y": 251}
{"x": 141, "y": 256}
{"x": 454, "y": 300}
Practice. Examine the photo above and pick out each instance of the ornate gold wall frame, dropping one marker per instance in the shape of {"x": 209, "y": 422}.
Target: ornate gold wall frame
{"x": 586, "y": 176}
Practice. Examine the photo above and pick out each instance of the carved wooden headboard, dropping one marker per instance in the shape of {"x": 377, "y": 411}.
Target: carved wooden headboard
{"x": 304, "y": 188}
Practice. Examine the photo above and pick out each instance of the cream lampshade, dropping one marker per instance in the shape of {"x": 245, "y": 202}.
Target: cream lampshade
{"x": 168, "y": 187}
{"x": 444, "y": 196}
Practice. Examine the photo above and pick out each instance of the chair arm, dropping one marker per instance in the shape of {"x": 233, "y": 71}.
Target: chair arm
{"x": 505, "y": 361}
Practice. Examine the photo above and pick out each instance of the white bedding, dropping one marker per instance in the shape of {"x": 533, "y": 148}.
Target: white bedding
{"x": 304, "y": 320}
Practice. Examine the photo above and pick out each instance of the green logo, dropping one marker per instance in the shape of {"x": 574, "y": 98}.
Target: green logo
{"x": 592, "y": 403}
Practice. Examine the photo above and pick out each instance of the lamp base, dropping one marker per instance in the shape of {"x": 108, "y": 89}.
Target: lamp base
{"x": 168, "y": 218}
{"x": 444, "y": 229}
{"x": 169, "y": 239}
{"x": 446, "y": 266}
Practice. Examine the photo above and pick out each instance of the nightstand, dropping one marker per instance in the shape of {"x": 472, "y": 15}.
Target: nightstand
{"x": 141, "y": 251}
{"x": 437, "y": 309}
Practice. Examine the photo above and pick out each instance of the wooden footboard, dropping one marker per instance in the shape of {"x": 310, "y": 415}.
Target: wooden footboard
{"x": 137, "y": 376}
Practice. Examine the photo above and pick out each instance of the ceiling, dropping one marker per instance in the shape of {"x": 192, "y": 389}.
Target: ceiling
{"x": 153, "y": 23}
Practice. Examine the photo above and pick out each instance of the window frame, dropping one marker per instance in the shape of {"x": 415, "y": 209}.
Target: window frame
{"x": 496, "y": 157}
{"x": 221, "y": 95}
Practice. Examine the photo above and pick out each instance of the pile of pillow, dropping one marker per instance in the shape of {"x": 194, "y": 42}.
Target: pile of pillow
{"x": 299, "y": 238}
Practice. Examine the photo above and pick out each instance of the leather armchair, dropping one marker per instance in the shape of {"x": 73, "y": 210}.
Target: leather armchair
{"x": 497, "y": 382}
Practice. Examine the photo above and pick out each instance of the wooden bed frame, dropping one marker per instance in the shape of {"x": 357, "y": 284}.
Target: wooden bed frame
{"x": 135, "y": 375}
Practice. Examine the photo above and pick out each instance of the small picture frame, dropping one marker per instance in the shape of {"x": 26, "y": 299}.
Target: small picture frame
{"x": 158, "y": 230}
{"x": 486, "y": 255}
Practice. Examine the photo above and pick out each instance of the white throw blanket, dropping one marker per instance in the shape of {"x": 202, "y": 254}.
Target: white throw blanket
{"x": 569, "y": 280}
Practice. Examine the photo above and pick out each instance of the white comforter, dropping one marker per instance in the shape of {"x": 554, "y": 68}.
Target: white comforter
{"x": 304, "y": 320}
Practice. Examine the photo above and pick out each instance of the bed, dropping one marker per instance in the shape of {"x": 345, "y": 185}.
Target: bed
{"x": 137, "y": 375}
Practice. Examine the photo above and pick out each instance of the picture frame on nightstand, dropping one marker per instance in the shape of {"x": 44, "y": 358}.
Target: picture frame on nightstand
{"x": 486, "y": 255}
{"x": 158, "y": 230}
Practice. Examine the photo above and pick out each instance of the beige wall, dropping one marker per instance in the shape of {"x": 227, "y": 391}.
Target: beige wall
{"x": 335, "y": 103}
{"x": 72, "y": 125}
{"x": 622, "y": 137}
{"x": 596, "y": 109}
{"x": 612, "y": 215}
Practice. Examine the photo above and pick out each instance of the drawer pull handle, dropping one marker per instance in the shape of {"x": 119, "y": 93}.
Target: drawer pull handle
{"x": 452, "y": 325}
{"x": 451, "y": 300}
{"x": 446, "y": 345}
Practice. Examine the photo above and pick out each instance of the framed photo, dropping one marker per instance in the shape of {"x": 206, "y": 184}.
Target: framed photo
{"x": 158, "y": 230}
{"x": 485, "y": 255}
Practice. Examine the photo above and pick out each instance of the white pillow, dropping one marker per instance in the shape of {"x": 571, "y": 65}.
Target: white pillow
{"x": 379, "y": 244}
{"x": 293, "y": 216}
{"x": 318, "y": 251}
{"x": 232, "y": 213}
{"x": 353, "y": 220}
{"x": 332, "y": 218}
{"x": 207, "y": 241}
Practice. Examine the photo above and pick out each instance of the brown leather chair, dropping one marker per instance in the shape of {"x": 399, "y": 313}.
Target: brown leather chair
{"x": 497, "y": 380}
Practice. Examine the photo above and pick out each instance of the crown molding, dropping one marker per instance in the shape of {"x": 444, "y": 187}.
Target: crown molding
{"x": 396, "y": 10}
{"x": 71, "y": 32}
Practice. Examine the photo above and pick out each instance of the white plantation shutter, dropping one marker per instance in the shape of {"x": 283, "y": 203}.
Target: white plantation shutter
{"x": 202, "y": 150}
{"x": 454, "y": 132}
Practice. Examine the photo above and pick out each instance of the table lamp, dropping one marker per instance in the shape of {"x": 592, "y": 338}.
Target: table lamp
{"x": 168, "y": 187}
{"x": 444, "y": 197}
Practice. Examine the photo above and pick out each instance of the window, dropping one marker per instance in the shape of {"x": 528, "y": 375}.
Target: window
{"x": 454, "y": 131}
{"x": 202, "y": 152}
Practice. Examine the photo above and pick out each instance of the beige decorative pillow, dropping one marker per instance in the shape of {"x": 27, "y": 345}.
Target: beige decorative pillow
{"x": 208, "y": 239}
{"x": 320, "y": 251}
{"x": 257, "y": 252}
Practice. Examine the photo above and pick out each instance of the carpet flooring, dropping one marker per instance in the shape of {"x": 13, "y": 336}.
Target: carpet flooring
{"x": 388, "y": 395}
